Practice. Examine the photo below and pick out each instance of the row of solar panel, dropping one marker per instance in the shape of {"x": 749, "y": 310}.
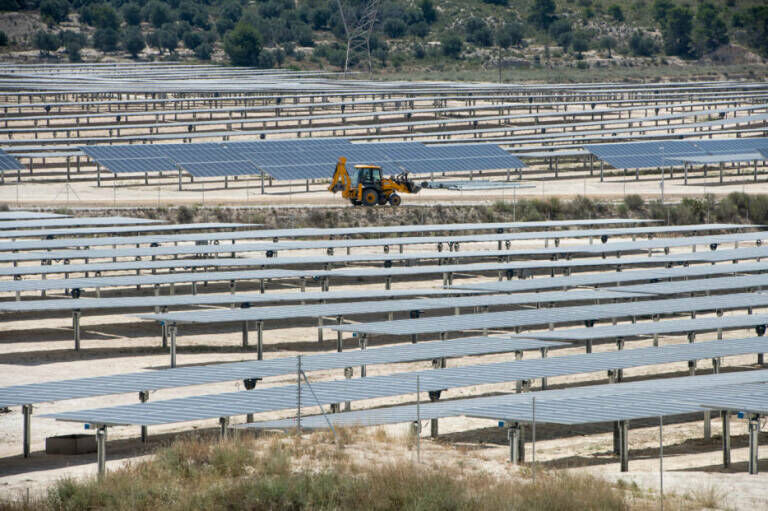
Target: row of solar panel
{"x": 298, "y": 159}
{"x": 660, "y": 154}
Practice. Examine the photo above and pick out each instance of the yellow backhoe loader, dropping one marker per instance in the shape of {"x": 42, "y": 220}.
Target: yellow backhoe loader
{"x": 369, "y": 188}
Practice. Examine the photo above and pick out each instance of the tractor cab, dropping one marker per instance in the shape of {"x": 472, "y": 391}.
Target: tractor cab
{"x": 368, "y": 175}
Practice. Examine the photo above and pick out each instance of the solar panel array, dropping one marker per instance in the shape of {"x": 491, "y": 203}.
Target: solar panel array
{"x": 662, "y": 154}
{"x": 729, "y": 383}
{"x": 300, "y": 158}
{"x": 199, "y": 375}
{"x": 8, "y": 162}
{"x": 262, "y": 400}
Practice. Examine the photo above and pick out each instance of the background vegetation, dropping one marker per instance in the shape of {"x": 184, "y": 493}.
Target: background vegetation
{"x": 408, "y": 34}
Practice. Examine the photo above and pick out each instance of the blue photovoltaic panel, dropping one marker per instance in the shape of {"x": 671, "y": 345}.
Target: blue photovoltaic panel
{"x": 194, "y": 153}
{"x": 121, "y": 152}
{"x": 138, "y": 165}
{"x": 297, "y": 159}
{"x": 272, "y": 146}
{"x": 220, "y": 168}
{"x": 289, "y": 172}
{"x": 658, "y": 154}
{"x": 8, "y": 162}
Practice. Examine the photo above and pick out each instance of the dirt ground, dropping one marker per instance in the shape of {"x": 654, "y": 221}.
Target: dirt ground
{"x": 36, "y": 348}
{"x": 247, "y": 192}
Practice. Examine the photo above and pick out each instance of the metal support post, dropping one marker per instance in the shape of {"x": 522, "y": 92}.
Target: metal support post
{"x": 707, "y": 425}
{"x": 624, "y": 448}
{"x": 298, "y": 394}
{"x": 26, "y": 411}
{"x": 339, "y": 343}
{"x": 172, "y": 334}
{"x": 101, "y": 450}
{"x": 754, "y": 430}
{"x": 620, "y": 347}
{"x": 143, "y": 398}
{"x": 223, "y": 427}
{"x": 363, "y": 347}
{"x": 76, "y": 328}
{"x": 516, "y": 443}
{"x": 544, "y": 352}
{"x": 260, "y": 340}
{"x": 692, "y": 363}
{"x": 726, "y": 418}
{"x": 245, "y": 334}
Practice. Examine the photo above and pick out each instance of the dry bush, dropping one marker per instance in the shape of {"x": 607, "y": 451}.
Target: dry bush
{"x": 272, "y": 474}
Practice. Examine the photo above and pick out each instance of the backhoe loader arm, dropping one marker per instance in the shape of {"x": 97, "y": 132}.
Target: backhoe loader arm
{"x": 341, "y": 181}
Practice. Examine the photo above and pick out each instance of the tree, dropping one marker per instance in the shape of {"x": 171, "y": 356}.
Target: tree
{"x": 562, "y": 32}
{"x": 478, "y": 32}
{"x": 642, "y": 46}
{"x": 132, "y": 14}
{"x": 157, "y": 13}
{"x": 677, "y": 32}
{"x": 192, "y": 40}
{"x": 510, "y": 34}
{"x": 428, "y": 11}
{"x": 203, "y": 52}
{"x": 542, "y": 13}
{"x": 46, "y": 42}
{"x": 168, "y": 39}
{"x": 105, "y": 39}
{"x": 133, "y": 41}
{"x": 580, "y": 43}
{"x": 54, "y": 11}
{"x": 710, "y": 31}
{"x": 616, "y": 13}
{"x": 661, "y": 8}
{"x": 243, "y": 45}
{"x": 3, "y": 38}
{"x": 420, "y": 29}
{"x": 102, "y": 16}
{"x": 266, "y": 60}
{"x": 394, "y": 27}
{"x": 607, "y": 43}
{"x": 756, "y": 28}
{"x": 451, "y": 45}
{"x": 73, "y": 51}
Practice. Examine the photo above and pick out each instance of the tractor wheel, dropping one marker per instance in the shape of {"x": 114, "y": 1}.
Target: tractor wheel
{"x": 395, "y": 199}
{"x": 370, "y": 197}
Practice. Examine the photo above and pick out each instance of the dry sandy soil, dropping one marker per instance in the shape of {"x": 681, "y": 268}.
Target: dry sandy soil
{"x": 84, "y": 194}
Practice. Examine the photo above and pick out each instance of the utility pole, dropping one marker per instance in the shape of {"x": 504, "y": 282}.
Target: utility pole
{"x": 358, "y": 19}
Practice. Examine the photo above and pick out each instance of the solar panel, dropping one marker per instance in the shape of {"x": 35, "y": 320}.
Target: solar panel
{"x": 666, "y": 327}
{"x": 220, "y": 168}
{"x": 370, "y": 307}
{"x": 510, "y": 319}
{"x": 8, "y": 162}
{"x": 138, "y": 165}
{"x": 27, "y": 215}
{"x": 659, "y": 154}
{"x": 738, "y": 402}
{"x": 452, "y": 408}
{"x": 198, "y": 375}
{"x": 63, "y": 222}
{"x": 261, "y": 400}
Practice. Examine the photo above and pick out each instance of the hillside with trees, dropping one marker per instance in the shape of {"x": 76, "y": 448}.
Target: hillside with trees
{"x": 389, "y": 34}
